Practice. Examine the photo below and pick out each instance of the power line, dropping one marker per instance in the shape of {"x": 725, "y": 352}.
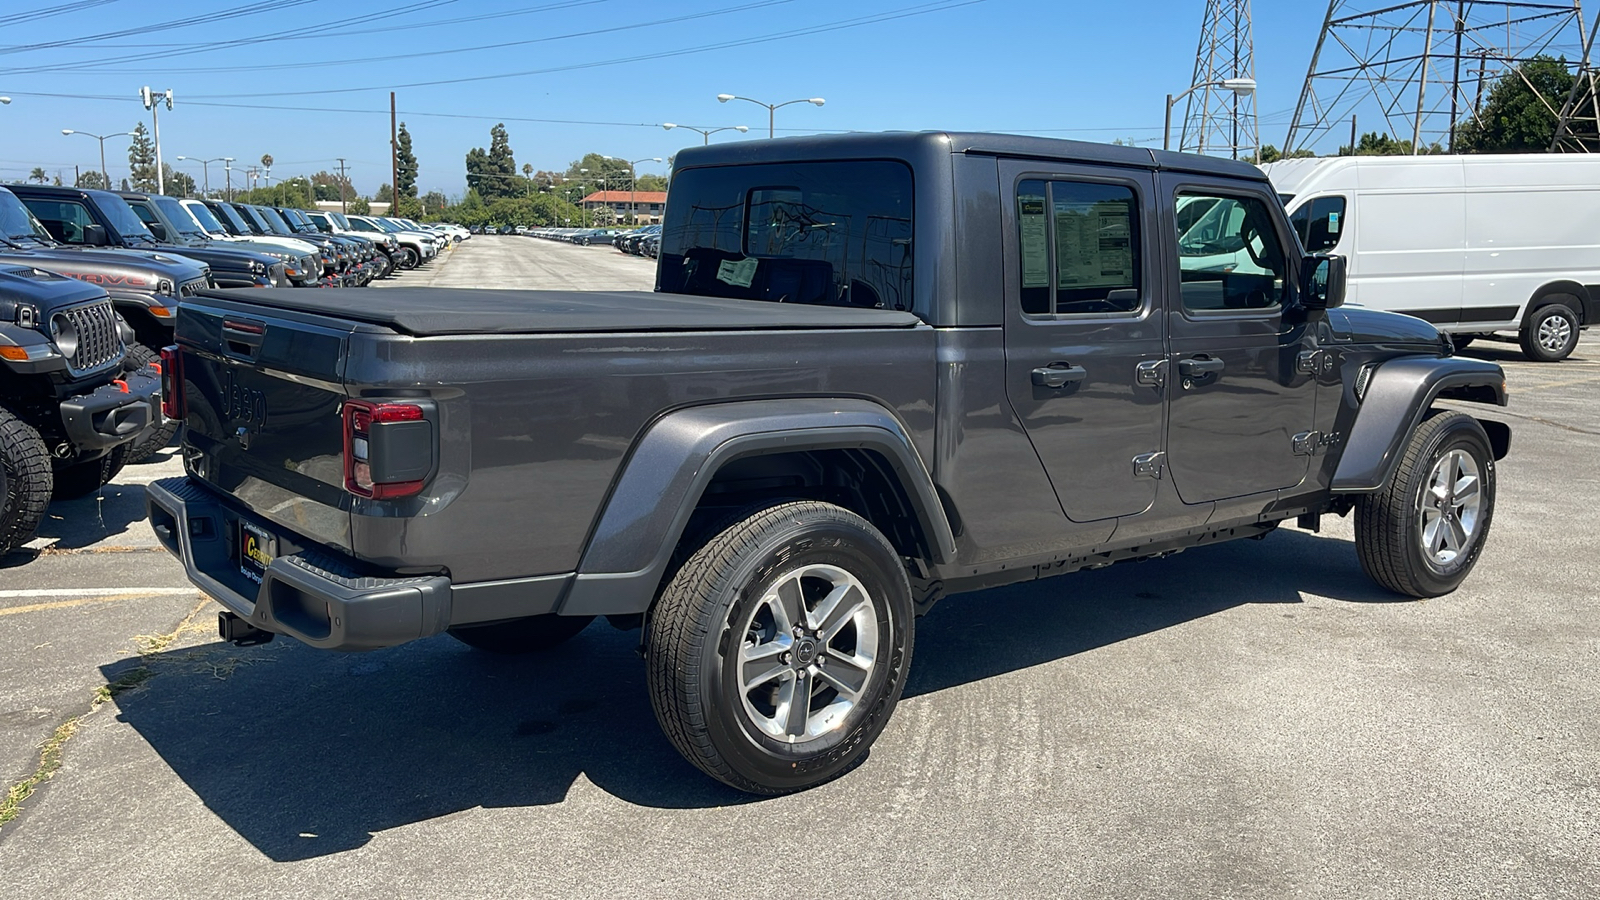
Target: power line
{"x": 874, "y": 19}
{"x": 34, "y": 15}
{"x": 238, "y": 12}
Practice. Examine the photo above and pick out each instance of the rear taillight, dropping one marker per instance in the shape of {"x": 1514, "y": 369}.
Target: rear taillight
{"x": 388, "y": 448}
{"x": 171, "y": 383}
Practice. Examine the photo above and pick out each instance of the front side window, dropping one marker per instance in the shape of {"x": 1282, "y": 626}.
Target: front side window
{"x": 823, "y": 233}
{"x": 1079, "y": 243}
{"x": 65, "y": 220}
{"x": 1230, "y": 257}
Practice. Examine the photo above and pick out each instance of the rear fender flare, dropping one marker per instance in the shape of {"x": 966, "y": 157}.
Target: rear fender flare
{"x": 1569, "y": 293}
{"x": 670, "y": 466}
{"x": 1397, "y": 400}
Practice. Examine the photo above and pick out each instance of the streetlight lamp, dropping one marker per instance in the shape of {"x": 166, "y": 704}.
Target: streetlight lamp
{"x": 772, "y": 108}
{"x": 102, "y": 139}
{"x": 205, "y": 167}
{"x": 633, "y": 183}
{"x": 1241, "y": 87}
{"x": 227, "y": 167}
{"x": 152, "y": 101}
{"x": 707, "y": 133}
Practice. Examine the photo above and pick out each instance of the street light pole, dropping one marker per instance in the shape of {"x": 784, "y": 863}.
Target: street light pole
{"x": 772, "y": 108}
{"x": 102, "y": 139}
{"x": 633, "y": 183}
{"x": 1241, "y": 87}
{"x": 205, "y": 168}
{"x": 152, "y": 101}
{"x": 707, "y": 133}
{"x": 229, "y": 170}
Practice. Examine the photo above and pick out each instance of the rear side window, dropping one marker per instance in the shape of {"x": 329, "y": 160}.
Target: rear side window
{"x": 64, "y": 219}
{"x": 1080, "y": 248}
{"x": 823, "y": 233}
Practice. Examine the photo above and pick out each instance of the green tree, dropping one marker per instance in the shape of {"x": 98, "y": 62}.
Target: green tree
{"x": 1271, "y": 154}
{"x": 327, "y": 186}
{"x": 406, "y": 164}
{"x": 142, "y": 160}
{"x": 359, "y": 206}
{"x": 178, "y": 184}
{"x": 92, "y": 180}
{"x": 1520, "y": 113}
{"x": 293, "y": 193}
{"x": 434, "y": 203}
{"x": 385, "y": 194}
{"x": 407, "y": 208}
{"x": 38, "y": 174}
{"x": 266, "y": 164}
{"x": 493, "y": 173}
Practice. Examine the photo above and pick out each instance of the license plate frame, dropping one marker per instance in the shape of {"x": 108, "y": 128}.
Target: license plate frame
{"x": 257, "y": 549}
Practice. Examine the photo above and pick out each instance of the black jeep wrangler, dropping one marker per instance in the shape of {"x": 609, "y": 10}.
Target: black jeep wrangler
{"x": 877, "y": 369}
{"x": 72, "y": 402}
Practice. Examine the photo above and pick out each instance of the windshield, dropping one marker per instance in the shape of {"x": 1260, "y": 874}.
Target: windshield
{"x": 388, "y": 226}
{"x": 16, "y": 222}
{"x": 207, "y": 221}
{"x": 254, "y": 223}
{"x": 122, "y": 217}
{"x": 339, "y": 217}
{"x": 177, "y": 215}
{"x": 825, "y": 233}
{"x": 273, "y": 220}
{"x": 228, "y": 214}
{"x": 297, "y": 220}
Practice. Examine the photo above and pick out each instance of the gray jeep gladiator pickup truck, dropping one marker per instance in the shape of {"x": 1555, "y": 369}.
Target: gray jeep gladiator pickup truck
{"x": 877, "y": 369}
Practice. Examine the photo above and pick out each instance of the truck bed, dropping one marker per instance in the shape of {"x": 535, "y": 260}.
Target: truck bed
{"x": 434, "y": 312}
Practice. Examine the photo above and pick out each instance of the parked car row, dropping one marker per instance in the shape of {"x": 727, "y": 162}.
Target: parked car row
{"x": 583, "y": 237}
{"x": 644, "y": 242}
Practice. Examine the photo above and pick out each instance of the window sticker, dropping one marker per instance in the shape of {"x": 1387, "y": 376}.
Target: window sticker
{"x": 1333, "y": 223}
{"x": 738, "y": 274}
{"x": 1094, "y": 245}
{"x": 1035, "y": 243}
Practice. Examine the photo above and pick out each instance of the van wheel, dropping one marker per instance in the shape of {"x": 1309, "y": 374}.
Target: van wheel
{"x": 142, "y": 356}
{"x": 1550, "y": 333}
{"x": 777, "y": 653}
{"x": 1422, "y": 534}
{"x": 25, "y": 481}
{"x": 1462, "y": 341}
{"x": 528, "y": 635}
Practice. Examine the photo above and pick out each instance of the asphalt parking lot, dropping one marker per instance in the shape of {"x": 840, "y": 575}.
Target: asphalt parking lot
{"x": 1250, "y": 720}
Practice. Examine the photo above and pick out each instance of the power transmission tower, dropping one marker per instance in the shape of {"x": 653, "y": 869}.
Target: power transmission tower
{"x": 1578, "y": 128}
{"x": 1216, "y": 119}
{"x": 1422, "y": 66}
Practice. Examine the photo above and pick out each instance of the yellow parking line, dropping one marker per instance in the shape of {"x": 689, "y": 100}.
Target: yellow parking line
{"x": 79, "y": 601}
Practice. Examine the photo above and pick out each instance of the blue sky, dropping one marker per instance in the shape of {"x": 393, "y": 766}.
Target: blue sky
{"x": 1086, "y": 70}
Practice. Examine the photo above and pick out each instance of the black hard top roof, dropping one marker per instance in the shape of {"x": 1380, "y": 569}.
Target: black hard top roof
{"x": 909, "y": 144}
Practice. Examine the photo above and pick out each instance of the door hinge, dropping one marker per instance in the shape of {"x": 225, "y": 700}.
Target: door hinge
{"x": 1149, "y": 465}
{"x": 1151, "y": 373}
{"x": 1307, "y": 362}
{"x": 1305, "y": 443}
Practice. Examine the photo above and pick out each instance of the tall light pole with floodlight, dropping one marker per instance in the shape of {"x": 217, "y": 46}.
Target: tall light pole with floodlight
{"x": 152, "y": 101}
{"x": 707, "y": 132}
{"x": 102, "y": 139}
{"x": 772, "y": 108}
{"x": 1242, "y": 87}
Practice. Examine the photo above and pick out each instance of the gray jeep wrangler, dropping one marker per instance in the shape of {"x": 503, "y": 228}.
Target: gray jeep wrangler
{"x": 877, "y": 369}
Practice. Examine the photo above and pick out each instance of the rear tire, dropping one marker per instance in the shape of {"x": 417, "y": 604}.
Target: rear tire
{"x": 1422, "y": 534}
{"x": 777, "y": 652}
{"x": 1550, "y": 333}
{"x": 25, "y": 481}
{"x": 141, "y": 356}
{"x": 528, "y": 635}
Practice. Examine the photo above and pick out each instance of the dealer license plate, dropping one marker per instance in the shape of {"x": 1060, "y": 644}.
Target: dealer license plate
{"x": 256, "y": 550}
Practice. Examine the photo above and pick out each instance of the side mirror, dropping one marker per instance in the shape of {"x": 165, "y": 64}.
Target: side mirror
{"x": 95, "y": 236}
{"x": 158, "y": 230}
{"x": 1323, "y": 277}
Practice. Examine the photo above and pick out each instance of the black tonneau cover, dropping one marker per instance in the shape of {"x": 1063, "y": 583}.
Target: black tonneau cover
{"x": 426, "y": 312}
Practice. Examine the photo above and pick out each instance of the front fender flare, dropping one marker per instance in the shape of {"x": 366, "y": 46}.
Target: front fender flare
{"x": 670, "y": 466}
{"x": 1396, "y": 401}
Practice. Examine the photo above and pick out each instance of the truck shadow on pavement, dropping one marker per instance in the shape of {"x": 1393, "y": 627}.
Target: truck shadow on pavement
{"x": 306, "y": 754}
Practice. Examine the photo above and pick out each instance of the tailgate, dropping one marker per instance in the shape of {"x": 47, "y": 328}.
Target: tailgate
{"x": 262, "y": 398}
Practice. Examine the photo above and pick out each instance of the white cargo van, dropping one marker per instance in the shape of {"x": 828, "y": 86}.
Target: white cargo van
{"x": 1474, "y": 244}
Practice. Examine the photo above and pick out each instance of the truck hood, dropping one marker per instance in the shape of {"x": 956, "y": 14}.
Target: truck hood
{"x": 427, "y": 312}
{"x": 1371, "y": 326}
{"x": 44, "y": 291}
{"x": 131, "y": 268}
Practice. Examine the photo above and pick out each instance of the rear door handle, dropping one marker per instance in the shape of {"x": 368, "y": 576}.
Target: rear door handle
{"x": 1199, "y": 368}
{"x": 1058, "y": 375}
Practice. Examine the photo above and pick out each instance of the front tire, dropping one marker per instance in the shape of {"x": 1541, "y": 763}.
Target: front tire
{"x": 1422, "y": 534}
{"x": 1550, "y": 333}
{"x": 778, "y": 651}
{"x": 519, "y": 636}
{"x": 142, "y": 356}
{"x": 25, "y": 481}
{"x": 408, "y": 258}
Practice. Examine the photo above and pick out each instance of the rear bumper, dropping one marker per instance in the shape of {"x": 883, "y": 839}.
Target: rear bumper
{"x": 304, "y": 593}
{"x": 114, "y": 413}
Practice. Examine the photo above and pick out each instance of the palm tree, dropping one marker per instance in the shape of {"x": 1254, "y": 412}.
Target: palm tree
{"x": 266, "y": 163}
{"x": 38, "y": 175}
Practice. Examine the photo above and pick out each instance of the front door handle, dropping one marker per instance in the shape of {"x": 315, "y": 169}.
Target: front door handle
{"x": 1058, "y": 375}
{"x": 1199, "y": 368}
